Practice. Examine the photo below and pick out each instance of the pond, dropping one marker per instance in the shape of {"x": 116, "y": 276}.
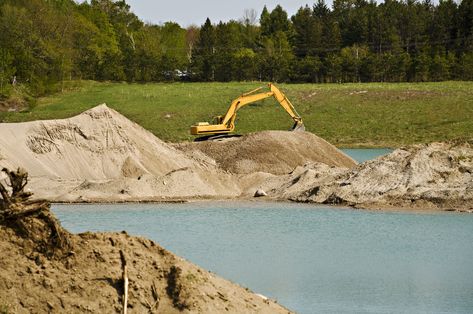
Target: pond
{"x": 311, "y": 259}
{"x": 364, "y": 154}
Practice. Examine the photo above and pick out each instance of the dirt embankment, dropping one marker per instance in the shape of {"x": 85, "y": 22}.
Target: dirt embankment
{"x": 83, "y": 274}
{"x": 433, "y": 176}
{"x": 275, "y": 152}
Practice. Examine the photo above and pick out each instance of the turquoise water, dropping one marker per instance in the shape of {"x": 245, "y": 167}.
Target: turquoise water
{"x": 311, "y": 259}
{"x": 363, "y": 154}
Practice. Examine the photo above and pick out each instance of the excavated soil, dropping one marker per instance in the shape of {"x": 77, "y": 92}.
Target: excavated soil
{"x": 101, "y": 156}
{"x": 95, "y": 145}
{"x": 37, "y": 277}
{"x": 433, "y": 176}
{"x": 275, "y": 152}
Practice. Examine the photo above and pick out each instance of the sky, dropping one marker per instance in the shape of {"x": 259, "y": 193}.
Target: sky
{"x": 188, "y": 12}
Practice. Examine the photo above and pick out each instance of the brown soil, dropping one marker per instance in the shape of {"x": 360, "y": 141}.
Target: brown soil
{"x": 275, "y": 152}
{"x": 86, "y": 277}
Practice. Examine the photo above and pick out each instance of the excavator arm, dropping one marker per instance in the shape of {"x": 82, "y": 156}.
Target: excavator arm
{"x": 226, "y": 124}
{"x": 286, "y": 104}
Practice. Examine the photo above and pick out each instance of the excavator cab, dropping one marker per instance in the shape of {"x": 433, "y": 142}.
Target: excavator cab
{"x": 218, "y": 119}
{"x": 226, "y": 124}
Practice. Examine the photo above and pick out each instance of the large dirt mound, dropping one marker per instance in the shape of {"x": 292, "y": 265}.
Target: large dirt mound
{"x": 102, "y": 156}
{"x": 437, "y": 175}
{"x": 97, "y": 144}
{"x": 45, "y": 269}
{"x": 276, "y": 152}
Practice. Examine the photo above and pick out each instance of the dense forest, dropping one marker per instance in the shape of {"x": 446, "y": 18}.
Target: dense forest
{"x": 44, "y": 43}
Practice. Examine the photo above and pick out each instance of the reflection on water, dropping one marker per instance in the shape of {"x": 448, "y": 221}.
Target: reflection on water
{"x": 311, "y": 259}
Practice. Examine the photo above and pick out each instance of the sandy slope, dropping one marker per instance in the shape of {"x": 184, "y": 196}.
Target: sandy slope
{"x": 433, "y": 176}
{"x": 275, "y": 152}
{"x": 101, "y": 156}
{"x": 97, "y": 144}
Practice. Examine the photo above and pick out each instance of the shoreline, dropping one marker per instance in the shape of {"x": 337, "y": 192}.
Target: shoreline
{"x": 369, "y": 208}
{"x": 100, "y": 156}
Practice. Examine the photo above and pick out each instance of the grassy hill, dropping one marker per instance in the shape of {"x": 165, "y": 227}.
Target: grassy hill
{"x": 348, "y": 115}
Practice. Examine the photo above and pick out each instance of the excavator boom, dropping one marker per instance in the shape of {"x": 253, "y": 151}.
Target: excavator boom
{"x": 226, "y": 124}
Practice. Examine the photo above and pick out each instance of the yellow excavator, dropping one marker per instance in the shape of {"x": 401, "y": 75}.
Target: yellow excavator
{"x": 226, "y": 124}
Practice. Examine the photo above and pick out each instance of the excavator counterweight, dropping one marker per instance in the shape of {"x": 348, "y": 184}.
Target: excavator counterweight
{"x": 226, "y": 124}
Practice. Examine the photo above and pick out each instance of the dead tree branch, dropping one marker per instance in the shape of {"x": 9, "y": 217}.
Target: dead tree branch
{"x": 17, "y": 212}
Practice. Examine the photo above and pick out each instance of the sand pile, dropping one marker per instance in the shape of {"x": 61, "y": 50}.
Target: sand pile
{"x": 83, "y": 273}
{"x": 100, "y": 155}
{"x": 438, "y": 175}
{"x": 97, "y": 144}
{"x": 275, "y": 152}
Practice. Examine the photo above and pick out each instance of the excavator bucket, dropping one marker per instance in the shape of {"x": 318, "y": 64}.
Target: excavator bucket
{"x": 298, "y": 127}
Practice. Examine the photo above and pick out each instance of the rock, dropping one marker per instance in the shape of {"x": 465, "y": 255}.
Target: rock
{"x": 260, "y": 193}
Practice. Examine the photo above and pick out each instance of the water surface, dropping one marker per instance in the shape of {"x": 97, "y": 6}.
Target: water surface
{"x": 364, "y": 154}
{"x": 311, "y": 259}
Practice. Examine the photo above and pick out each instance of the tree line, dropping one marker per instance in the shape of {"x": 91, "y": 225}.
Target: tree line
{"x": 44, "y": 43}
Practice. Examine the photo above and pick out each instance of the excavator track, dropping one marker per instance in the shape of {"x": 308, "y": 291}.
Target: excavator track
{"x": 215, "y": 137}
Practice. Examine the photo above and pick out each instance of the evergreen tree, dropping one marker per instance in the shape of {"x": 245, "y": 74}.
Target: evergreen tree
{"x": 307, "y": 33}
{"x": 465, "y": 25}
{"x": 228, "y": 41}
{"x": 279, "y": 21}
{"x": 203, "y": 58}
{"x": 265, "y": 22}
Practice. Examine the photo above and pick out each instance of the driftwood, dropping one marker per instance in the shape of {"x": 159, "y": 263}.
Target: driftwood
{"x": 18, "y": 180}
{"x": 125, "y": 282}
{"x": 16, "y": 211}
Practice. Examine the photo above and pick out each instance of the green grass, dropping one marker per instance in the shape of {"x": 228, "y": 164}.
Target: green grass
{"x": 348, "y": 115}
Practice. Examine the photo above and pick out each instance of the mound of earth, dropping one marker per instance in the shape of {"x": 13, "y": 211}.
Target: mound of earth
{"x": 85, "y": 274}
{"x": 275, "y": 152}
{"x": 433, "y": 176}
{"x": 100, "y": 155}
{"x": 95, "y": 145}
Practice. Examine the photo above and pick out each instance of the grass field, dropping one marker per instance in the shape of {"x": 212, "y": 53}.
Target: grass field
{"x": 347, "y": 115}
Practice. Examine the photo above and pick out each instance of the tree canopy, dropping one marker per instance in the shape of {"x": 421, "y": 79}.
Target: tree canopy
{"x": 46, "y": 42}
